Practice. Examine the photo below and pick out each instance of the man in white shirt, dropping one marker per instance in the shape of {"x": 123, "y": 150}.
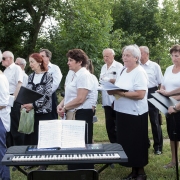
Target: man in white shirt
{"x": 22, "y": 63}
{"x": 15, "y": 78}
{"x": 109, "y": 71}
{"x": 155, "y": 79}
{"x": 4, "y": 121}
{"x": 55, "y": 71}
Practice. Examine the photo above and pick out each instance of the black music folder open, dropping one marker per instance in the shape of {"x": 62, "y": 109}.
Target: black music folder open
{"x": 162, "y": 102}
{"x": 26, "y": 96}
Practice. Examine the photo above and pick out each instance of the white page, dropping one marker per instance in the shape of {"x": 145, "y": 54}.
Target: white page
{"x": 73, "y": 134}
{"x": 49, "y": 134}
{"x": 108, "y": 86}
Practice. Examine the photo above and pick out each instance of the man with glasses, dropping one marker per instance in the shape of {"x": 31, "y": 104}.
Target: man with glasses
{"x": 22, "y": 63}
{"x": 55, "y": 71}
{"x": 15, "y": 77}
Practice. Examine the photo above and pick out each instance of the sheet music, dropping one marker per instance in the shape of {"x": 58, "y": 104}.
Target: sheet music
{"x": 106, "y": 86}
{"x": 49, "y": 134}
{"x": 73, "y": 134}
{"x": 61, "y": 133}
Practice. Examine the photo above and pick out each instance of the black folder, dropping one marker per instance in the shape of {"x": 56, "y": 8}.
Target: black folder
{"x": 26, "y": 96}
{"x": 162, "y": 102}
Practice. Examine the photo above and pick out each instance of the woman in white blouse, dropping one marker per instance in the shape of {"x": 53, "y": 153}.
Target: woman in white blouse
{"x": 131, "y": 112}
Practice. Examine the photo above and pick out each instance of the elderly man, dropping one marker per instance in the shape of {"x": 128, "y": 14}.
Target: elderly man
{"x": 155, "y": 79}
{"x": 55, "y": 71}
{"x": 15, "y": 78}
{"x": 109, "y": 71}
{"x": 22, "y": 63}
{"x": 4, "y": 121}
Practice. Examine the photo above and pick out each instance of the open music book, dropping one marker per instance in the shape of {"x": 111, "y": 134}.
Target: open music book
{"x": 61, "y": 134}
{"x": 107, "y": 86}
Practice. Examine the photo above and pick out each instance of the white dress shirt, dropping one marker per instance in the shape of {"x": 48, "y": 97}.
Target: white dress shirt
{"x": 14, "y": 75}
{"x": 55, "y": 71}
{"x": 135, "y": 80}
{"x": 112, "y": 72}
{"x": 81, "y": 79}
{"x": 154, "y": 73}
{"x": 171, "y": 80}
{"x": 4, "y": 101}
{"x": 25, "y": 79}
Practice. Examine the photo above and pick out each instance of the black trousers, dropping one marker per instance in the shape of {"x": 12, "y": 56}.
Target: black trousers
{"x": 110, "y": 116}
{"x": 155, "y": 123}
{"x": 14, "y": 138}
{"x": 84, "y": 115}
{"x": 54, "y": 113}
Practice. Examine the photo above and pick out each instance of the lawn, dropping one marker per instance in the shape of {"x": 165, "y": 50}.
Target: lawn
{"x": 154, "y": 169}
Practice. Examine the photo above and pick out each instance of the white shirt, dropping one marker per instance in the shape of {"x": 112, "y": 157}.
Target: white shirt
{"x": 70, "y": 77}
{"x": 14, "y": 75}
{"x": 154, "y": 73}
{"x": 4, "y": 101}
{"x": 55, "y": 71}
{"x": 25, "y": 79}
{"x": 171, "y": 81}
{"x": 135, "y": 80}
{"x": 81, "y": 79}
{"x": 112, "y": 72}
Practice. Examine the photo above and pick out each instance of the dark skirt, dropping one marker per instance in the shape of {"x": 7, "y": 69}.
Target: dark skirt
{"x": 173, "y": 126}
{"x": 132, "y": 134}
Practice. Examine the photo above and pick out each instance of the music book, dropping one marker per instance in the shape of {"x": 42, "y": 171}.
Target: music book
{"x": 26, "y": 96}
{"x": 162, "y": 102}
{"x": 61, "y": 134}
{"x": 107, "y": 86}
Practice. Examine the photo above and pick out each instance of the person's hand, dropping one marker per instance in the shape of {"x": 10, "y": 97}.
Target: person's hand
{"x": 171, "y": 110}
{"x": 163, "y": 92}
{"x": 60, "y": 110}
{"x": 105, "y": 79}
{"x": 28, "y": 107}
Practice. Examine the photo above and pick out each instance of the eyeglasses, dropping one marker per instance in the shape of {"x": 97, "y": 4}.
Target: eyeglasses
{"x": 4, "y": 58}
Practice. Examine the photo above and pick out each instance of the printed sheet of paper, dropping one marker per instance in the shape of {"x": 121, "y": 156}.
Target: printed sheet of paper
{"x": 106, "y": 86}
{"x": 73, "y": 134}
{"x": 49, "y": 134}
{"x": 61, "y": 133}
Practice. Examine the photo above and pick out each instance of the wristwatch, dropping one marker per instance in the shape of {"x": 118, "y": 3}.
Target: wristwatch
{"x": 174, "y": 107}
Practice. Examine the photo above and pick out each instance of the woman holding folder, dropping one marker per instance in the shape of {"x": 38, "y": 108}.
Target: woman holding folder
{"x": 40, "y": 81}
{"x": 132, "y": 112}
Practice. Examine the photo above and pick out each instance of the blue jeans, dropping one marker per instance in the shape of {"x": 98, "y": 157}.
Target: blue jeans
{"x": 4, "y": 170}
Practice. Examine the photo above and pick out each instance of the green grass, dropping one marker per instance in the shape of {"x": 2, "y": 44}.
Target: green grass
{"x": 154, "y": 169}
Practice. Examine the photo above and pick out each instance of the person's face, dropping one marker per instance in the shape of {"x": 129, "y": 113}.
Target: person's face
{"x": 144, "y": 55}
{"x": 108, "y": 57}
{"x": 73, "y": 65}
{"x": 18, "y": 62}
{"x": 175, "y": 56}
{"x": 128, "y": 59}
{"x": 35, "y": 66}
{"x": 6, "y": 60}
{"x": 45, "y": 58}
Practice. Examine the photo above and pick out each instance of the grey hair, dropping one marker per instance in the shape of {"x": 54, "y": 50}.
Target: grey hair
{"x": 135, "y": 51}
{"x": 112, "y": 51}
{"x": 10, "y": 54}
{"x": 23, "y": 61}
{"x": 145, "y": 48}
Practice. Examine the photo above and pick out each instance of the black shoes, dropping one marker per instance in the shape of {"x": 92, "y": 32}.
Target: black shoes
{"x": 157, "y": 152}
{"x": 141, "y": 177}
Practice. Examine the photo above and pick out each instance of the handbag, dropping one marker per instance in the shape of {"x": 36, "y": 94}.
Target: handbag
{"x": 26, "y": 123}
{"x": 70, "y": 115}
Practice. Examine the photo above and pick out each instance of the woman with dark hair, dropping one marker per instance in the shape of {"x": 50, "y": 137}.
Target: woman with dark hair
{"x": 169, "y": 87}
{"x": 78, "y": 93}
{"x": 41, "y": 81}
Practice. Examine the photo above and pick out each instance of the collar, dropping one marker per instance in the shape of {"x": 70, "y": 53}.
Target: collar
{"x": 49, "y": 64}
{"x": 78, "y": 73}
{"x": 11, "y": 66}
{"x": 112, "y": 65}
{"x": 147, "y": 63}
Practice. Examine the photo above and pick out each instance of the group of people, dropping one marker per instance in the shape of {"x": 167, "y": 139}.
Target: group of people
{"x": 126, "y": 112}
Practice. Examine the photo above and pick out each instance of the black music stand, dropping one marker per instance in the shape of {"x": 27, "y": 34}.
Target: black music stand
{"x": 162, "y": 103}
